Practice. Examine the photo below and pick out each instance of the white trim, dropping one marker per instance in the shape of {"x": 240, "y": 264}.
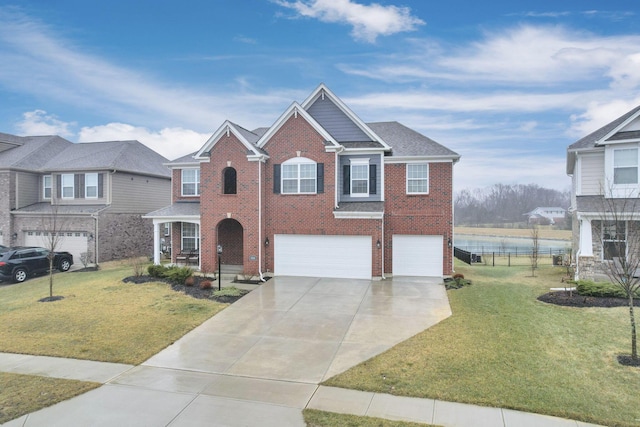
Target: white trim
{"x": 421, "y": 179}
{"x": 44, "y": 187}
{"x": 358, "y": 215}
{"x": 62, "y": 186}
{"x": 299, "y": 161}
{"x": 86, "y": 185}
{"x": 603, "y": 140}
{"x": 296, "y": 109}
{"x": 196, "y": 182}
{"x": 224, "y": 130}
{"x": 358, "y": 162}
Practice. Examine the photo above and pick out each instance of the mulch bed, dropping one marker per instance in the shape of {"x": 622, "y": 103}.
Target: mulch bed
{"x": 193, "y": 291}
{"x": 574, "y": 300}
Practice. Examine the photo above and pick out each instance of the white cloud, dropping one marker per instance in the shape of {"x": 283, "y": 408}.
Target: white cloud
{"x": 598, "y": 114}
{"x": 38, "y": 122}
{"x": 368, "y": 21}
{"x": 170, "y": 142}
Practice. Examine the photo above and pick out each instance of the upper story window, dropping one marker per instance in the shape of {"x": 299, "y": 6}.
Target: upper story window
{"x": 418, "y": 178}
{"x": 360, "y": 177}
{"x": 299, "y": 176}
{"x": 46, "y": 187}
{"x": 229, "y": 178}
{"x": 191, "y": 182}
{"x": 625, "y": 166}
{"x": 68, "y": 187}
{"x": 91, "y": 185}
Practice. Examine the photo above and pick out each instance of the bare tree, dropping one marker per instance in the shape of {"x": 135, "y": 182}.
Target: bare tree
{"x": 619, "y": 236}
{"x": 535, "y": 249}
{"x": 52, "y": 225}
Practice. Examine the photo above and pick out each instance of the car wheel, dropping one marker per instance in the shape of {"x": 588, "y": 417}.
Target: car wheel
{"x": 64, "y": 264}
{"x": 20, "y": 275}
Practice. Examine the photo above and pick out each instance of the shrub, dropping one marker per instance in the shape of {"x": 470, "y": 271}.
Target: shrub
{"x": 178, "y": 274}
{"x": 458, "y": 276}
{"x": 157, "y": 270}
{"x": 206, "y": 284}
{"x": 600, "y": 289}
{"x": 231, "y": 291}
{"x": 189, "y": 281}
{"x": 456, "y": 282}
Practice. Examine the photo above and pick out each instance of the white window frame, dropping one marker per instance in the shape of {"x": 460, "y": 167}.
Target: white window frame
{"x": 195, "y": 237}
{"x": 291, "y": 172}
{"x": 195, "y": 181}
{"x": 633, "y": 163}
{"x": 613, "y": 239}
{"x": 359, "y": 164}
{"x": 89, "y": 185}
{"x": 63, "y": 184}
{"x": 412, "y": 179}
{"x": 46, "y": 187}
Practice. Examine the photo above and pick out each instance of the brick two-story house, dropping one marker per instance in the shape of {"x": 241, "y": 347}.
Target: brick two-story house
{"x": 605, "y": 201}
{"x": 319, "y": 193}
{"x": 97, "y": 193}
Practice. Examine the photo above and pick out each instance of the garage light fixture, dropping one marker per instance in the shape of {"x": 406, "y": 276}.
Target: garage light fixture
{"x": 449, "y": 243}
{"x": 266, "y": 241}
{"x": 15, "y": 236}
{"x": 378, "y": 244}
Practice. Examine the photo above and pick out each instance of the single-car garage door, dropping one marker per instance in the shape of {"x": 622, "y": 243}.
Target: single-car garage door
{"x": 417, "y": 255}
{"x": 322, "y": 256}
{"x": 74, "y": 242}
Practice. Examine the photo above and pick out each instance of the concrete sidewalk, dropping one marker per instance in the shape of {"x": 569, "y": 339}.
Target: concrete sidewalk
{"x": 259, "y": 362}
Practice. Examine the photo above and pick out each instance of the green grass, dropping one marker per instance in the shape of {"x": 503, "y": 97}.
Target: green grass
{"x": 100, "y": 318}
{"x": 315, "y": 418}
{"x": 22, "y": 394}
{"x": 504, "y": 348}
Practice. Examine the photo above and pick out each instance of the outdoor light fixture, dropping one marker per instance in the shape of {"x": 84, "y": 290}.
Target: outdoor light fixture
{"x": 219, "y": 267}
{"x": 15, "y": 236}
{"x": 266, "y": 241}
{"x": 90, "y": 236}
{"x": 378, "y": 244}
{"x": 449, "y": 243}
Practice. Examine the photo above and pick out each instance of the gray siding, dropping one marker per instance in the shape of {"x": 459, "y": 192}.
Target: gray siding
{"x": 27, "y": 189}
{"x": 5, "y": 206}
{"x": 591, "y": 173}
{"x": 374, "y": 159}
{"x": 56, "y": 190}
{"x": 138, "y": 194}
{"x": 336, "y": 122}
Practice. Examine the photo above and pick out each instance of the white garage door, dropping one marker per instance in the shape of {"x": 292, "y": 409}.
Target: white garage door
{"x": 71, "y": 241}
{"x": 417, "y": 255}
{"x": 323, "y": 256}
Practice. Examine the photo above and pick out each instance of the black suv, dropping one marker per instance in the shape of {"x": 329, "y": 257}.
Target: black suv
{"x": 20, "y": 262}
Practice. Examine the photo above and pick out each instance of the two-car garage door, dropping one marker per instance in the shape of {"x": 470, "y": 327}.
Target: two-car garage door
{"x": 74, "y": 242}
{"x": 322, "y": 256}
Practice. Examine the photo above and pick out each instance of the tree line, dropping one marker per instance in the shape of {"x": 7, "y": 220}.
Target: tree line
{"x": 503, "y": 204}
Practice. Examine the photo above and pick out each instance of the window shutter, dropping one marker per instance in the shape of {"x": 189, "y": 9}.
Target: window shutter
{"x": 320, "y": 177}
{"x": 276, "y": 179}
{"x": 373, "y": 179}
{"x": 58, "y": 186}
{"x": 81, "y": 191}
{"x": 346, "y": 179}
{"x": 76, "y": 187}
{"x": 100, "y": 185}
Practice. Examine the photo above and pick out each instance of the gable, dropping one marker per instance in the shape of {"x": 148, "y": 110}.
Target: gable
{"x": 336, "y": 122}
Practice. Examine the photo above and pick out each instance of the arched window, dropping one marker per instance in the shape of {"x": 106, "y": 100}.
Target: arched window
{"x": 229, "y": 181}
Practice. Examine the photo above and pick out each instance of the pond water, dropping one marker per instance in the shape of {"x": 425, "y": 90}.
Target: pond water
{"x": 514, "y": 245}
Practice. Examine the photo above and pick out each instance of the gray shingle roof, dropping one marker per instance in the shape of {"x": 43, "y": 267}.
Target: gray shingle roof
{"x": 188, "y": 158}
{"x": 407, "y": 142}
{"x": 34, "y": 152}
{"x": 45, "y": 208}
{"x": 597, "y": 204}
{"x": 178, "y": 209}
{"x": 589, "y": 141}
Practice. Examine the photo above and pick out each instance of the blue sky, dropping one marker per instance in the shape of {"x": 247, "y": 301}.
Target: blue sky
{"x": 507, "y": 84}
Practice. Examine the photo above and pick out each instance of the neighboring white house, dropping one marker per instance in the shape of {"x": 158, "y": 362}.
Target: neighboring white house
{"x": 543, "y": 215}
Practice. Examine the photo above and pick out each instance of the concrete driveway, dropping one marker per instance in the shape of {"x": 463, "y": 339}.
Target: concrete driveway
{"x": 259, "y": 361}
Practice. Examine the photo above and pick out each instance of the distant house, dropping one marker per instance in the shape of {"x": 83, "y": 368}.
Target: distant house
{"x": 544, "y": 216}
{"x": 605, "y": 192}
{"x": 319, "y": 193}
{"x": 98, "y": 192}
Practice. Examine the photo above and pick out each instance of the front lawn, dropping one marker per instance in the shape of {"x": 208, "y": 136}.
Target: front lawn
{"x": 504, "y": 348}
{"x": 100, "y": 318}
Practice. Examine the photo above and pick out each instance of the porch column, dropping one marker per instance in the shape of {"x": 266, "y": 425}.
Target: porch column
{"x": 586, "y": 239}
{"x": 156, "y": 242}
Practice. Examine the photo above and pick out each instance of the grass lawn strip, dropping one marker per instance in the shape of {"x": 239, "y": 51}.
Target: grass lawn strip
{"x": 544, "y": 233}
{"x": 100, "y": 318}
{"x": 22, "y": 394}
{"x": 315, "y": 418}
{"x": 503, "y": 348}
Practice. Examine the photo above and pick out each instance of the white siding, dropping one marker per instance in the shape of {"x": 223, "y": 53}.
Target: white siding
{"x": 591, "y": 172}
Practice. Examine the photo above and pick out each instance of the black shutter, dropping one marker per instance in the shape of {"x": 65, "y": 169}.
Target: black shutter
{"x": 100, "y": 185}
{"x": 373, "y": 179}
{"x": 346, "y": 179}
{"x": 276, "y": 179}
{"x": 58, "y": 186}
{"x": 320, "y": 177}
{"x": 78, "y": 186}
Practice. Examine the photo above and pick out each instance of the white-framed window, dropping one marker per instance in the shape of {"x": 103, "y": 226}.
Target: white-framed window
{"x": 360, "y": 177}
{"x": 46, "y": 187}
{"x": 299, "y": 176}
{"x": 91, "y": 185}
{"x": 417, "y": 178}
{"x": 190, "y": 236}
{"x": 68, "y": 189}
{"x": 614, "y": 239}
{"x": 625, "y": 166}
{"x": 191, "y": 182}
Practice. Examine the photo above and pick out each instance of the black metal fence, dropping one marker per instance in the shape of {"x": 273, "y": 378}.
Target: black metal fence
{"x": 512, "y": 258}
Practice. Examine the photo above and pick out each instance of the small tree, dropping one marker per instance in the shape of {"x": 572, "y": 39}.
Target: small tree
{"x": 535, "y": 249}
{"x": 52, "y": 225}
{"x": 620, "y": 241}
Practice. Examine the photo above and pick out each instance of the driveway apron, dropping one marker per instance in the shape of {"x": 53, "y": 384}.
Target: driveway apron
{"x": 259, "y": 361}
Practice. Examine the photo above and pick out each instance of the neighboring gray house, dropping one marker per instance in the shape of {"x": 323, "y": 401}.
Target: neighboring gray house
{"x": 604, "y": 170}
{"x": 546, "y": 215}
{"x": 98, "y": 190}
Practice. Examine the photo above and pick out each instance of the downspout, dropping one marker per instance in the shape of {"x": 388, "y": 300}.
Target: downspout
{"x": 260, "y": 260}
{"x": 383, "y": 243}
